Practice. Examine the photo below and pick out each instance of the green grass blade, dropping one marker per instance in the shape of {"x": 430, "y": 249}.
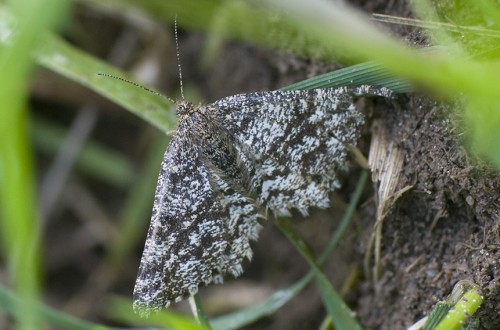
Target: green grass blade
{"x": 82, "y": 68}
{"x": 346, "y": 218}
{"x": 19, "y": 225}
{"x": 199, "y": 312}
{"x": 238, "y": 319}
{"x": 339, "y": 312}
{"x": 369, "y": 73}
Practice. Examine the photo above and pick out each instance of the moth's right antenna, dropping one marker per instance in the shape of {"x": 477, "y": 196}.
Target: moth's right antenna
{"x": 178, "y": 56}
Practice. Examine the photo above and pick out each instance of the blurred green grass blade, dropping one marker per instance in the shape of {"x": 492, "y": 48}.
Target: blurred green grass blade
{"x": 121, "y": 309}
{"x": 238, "y": 319}
{"x": 199, "y": 312}
{"x": 346, "y": 218}
{"x": 279, "y": 298}
{"x": 78, "y": 66}
{"x": 94, "y": 159}
{"x": 19, "y": 226}
{"x": 53, "y": 317}
{"x": 339, "y": 27}
{"x": 483, "y": 117}
{"x": 339, "y": 312}
{"x": 254, "y": 22}
{"x": 368, "y": 73}
{"x": 342, "y": 317}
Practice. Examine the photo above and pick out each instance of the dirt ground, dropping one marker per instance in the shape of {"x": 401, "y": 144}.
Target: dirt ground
{"x": 441, "y": 226}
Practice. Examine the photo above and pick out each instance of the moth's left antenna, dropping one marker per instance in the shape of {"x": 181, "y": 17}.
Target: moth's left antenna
{"x": 178, "y": 56}
{"x": 135, "y": 84}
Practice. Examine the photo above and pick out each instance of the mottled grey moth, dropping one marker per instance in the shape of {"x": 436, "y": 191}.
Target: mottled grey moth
{"x": 231, "y": 162}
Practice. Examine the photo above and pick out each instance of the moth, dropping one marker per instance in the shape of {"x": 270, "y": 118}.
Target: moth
{"x": 231, "y": 163}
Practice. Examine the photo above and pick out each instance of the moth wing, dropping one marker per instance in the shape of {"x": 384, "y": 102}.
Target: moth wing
{"x": 293, "y": 143}
{"x": 196, "y": 236}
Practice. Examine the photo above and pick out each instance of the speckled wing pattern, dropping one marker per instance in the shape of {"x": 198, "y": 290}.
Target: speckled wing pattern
{"x": 229, "y": 163}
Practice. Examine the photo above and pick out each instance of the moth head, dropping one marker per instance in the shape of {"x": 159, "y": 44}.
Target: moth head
{"x": 183, "y": 108}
